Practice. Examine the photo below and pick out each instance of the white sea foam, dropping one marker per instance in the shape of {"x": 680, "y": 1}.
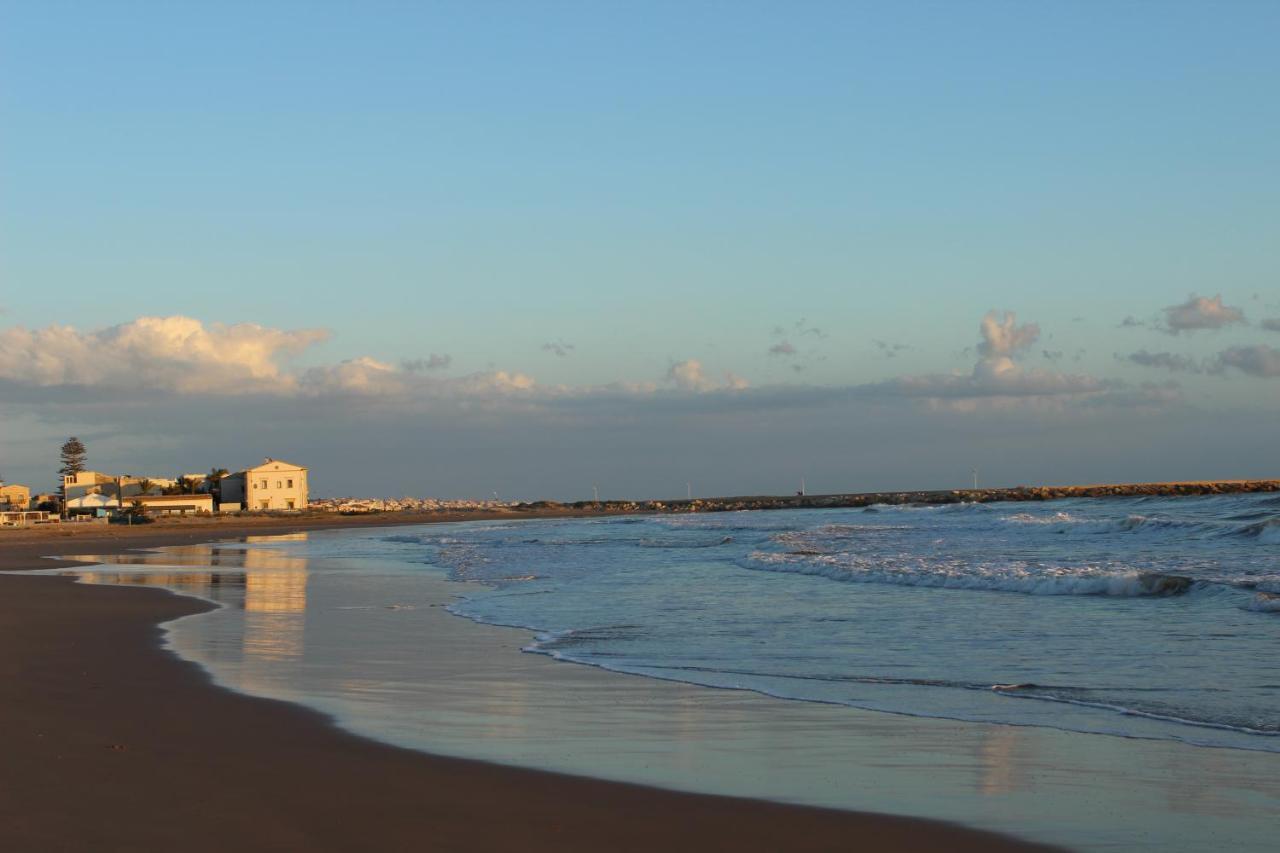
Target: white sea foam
{"x": 952, "y": 575}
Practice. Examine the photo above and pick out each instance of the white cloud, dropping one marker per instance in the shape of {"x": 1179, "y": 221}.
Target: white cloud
{"x": 165, "y": 353}
{"x": 997, "y": 378}
{"x": 184, "y": 356}
{"x": 1002, "y": 336}
{"x": 372, "y": 378}
{"x": 1199, "y": 312}
{"x": 688, "y": 375}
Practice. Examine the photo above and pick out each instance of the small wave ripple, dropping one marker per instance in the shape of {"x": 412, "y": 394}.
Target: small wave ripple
{"x": 999, "y": 578}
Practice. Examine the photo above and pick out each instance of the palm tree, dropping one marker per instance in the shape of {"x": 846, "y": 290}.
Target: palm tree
{"x": 145, "y": 486}
{"x": 215, "y": 482}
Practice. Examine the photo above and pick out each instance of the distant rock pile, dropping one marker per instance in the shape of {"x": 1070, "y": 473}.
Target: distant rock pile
{"x": 354, "y": 506}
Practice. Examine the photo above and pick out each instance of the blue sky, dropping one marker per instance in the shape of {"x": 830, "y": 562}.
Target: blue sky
{"x": 641, "y": 185}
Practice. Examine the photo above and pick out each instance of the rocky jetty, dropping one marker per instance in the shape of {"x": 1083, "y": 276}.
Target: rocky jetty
{"x": 921, "y": 498}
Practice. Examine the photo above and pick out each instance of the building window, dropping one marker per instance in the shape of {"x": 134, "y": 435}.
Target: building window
{"x": 264, "y": 484}
{"x": 263, "y": 504}
{"x": 289, "y": 503}
{"x": 290, "y": 484}
{"x": 277, "y": 484}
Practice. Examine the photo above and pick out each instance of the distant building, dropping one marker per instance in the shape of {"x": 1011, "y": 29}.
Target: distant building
{"x": 103, "y": 504}
{"x": 172, "y": 504}
{"x": 275, "y": 484}
{"x": 14, "y": 496}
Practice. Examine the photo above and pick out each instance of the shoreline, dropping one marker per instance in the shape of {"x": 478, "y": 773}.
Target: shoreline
{"x": 99, "y": 716}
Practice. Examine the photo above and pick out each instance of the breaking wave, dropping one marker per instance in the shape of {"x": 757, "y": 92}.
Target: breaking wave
{"x": 1265, "y": 526}
{"x": 852, "y": 569}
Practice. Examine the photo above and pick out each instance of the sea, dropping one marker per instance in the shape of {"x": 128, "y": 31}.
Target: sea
{"x": 1145, "y": 617}
{"x": 1130, "y": 620}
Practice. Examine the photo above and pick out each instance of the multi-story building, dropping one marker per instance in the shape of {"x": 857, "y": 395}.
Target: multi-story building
{"x": 275, "y": 484}
{"x": 84, "y": 483}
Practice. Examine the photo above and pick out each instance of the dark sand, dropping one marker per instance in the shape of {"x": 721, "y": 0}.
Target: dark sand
{"x": 112, "y": 743}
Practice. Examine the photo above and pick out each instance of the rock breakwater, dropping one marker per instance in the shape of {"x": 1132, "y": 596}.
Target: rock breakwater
{"x": 919, "y": 498}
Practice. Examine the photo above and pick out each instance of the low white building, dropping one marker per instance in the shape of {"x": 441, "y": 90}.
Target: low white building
{"x": 275, "y": 484}
{"x": 93, "y": 502}
{"x": 150, "y": 504}
{"x": 198, "y": 504}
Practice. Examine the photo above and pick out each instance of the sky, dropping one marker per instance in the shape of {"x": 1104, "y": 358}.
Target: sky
{"x": 529, "y": 248}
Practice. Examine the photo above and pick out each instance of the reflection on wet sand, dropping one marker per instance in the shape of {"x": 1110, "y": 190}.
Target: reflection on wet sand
{"x": 1004, "y": 754}
{"x": 270, "y": 586}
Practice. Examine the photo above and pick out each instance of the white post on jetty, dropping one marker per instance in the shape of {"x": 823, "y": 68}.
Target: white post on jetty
{"x": 802, "y": 491}
{"x": 688, "y": 487}
{"x": 595, "y": 493}
{"x": 975, "y": 479}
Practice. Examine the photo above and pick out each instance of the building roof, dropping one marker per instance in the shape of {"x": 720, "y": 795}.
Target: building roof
{"x": 199, "y": 496}
{"x": 267, "y": 465}
{"x": 90, "y": 501}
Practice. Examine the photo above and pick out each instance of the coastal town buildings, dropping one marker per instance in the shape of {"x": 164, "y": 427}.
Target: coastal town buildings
{"x": 86, "y": 483}
{"x": 275, "y": 484}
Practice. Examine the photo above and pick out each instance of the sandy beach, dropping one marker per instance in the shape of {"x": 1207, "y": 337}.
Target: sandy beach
{"x": 113, "y": 743}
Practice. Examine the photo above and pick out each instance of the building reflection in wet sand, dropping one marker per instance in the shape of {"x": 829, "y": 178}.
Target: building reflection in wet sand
{"x": 1003, "y": 761}
{"x": 268, "y": 585}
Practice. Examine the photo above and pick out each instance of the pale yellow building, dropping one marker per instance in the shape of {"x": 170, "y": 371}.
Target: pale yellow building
{"x": 14, "y": 496}
{"x": 275, "y": 484}
{"x": 84, "y": 483}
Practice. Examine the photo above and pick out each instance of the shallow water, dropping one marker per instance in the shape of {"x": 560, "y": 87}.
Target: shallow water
{"x": 1137, "y": 617}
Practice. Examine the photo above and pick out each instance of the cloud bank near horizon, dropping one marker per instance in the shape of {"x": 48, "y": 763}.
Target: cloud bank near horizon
{"x": 160, "y": 388}
{"x": 184, "y": 357}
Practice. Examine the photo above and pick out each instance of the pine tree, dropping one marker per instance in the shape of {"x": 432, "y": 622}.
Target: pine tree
{"x": 73, "y": 456}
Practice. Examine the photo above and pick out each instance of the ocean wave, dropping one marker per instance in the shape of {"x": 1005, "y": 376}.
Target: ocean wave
{"x": 828, "y": 537}
{"x": 1084, "y": 699}
{"x": 1264, "y": 531}
{"x": 951, "y": 508}
{"x": 1265, "y": 526}
{"x": 852, "y": 569}
{"x": 686, "y": 543}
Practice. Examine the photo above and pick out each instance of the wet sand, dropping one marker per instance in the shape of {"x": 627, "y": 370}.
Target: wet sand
{"x": 113, "y": 743}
